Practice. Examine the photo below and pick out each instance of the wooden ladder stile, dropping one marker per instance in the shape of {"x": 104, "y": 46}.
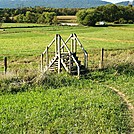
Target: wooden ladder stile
{"x": 64, "y": 56}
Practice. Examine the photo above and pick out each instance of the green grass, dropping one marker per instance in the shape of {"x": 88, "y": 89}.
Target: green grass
{"x": 90, "y": 109}
{"x": 34, "y": 40}
{"x": 61, "y": 103}
{"x": 30, "y": 42}
{"x": 120, "y": 77}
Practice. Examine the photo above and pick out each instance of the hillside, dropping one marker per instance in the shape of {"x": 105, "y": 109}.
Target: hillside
{"x": 125, "y": 3}
{"x": 52, "y": 3}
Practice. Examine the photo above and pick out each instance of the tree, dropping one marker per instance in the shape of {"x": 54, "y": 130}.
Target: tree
{"x": 41, "y": 18}
{"x": 50, "y": 17}
{"x": 31, "y": 17}
{"x": 81, "y": 16}
{"x": 1, "y": 21}
{"x": 89, "y": 17}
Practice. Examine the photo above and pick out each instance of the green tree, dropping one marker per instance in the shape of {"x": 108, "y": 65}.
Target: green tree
{"x": 20, "y": 18}
{"x": 89, "y": 17}
{"x": 41, "y": 18}
{"x": 50, "y": 17}
{"x": 1, "y": 20}
{"x": 81, "y": 16}
{"x": 31, "y": 17}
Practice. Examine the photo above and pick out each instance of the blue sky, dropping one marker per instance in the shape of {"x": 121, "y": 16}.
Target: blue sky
{"x": 116, "y": 1}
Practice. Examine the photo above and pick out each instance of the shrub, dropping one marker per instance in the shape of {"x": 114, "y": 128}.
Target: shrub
{"x": 89, "y": 17}
{"x": 130, "y": 22}
{"x": 116, "y": 22}
{"x": 122, "y": 21}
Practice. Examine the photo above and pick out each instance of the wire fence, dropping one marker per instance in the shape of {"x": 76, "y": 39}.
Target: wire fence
{"x": 97, "y": 59}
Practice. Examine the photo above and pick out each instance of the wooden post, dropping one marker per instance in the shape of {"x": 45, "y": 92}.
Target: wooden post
{"x": 101, "y": 64}
{"x": 41, "y": 62}
{"x": 5, "y": 65}
{"x": 75, "y": 45}
{"x": 56, "y": 44}
{"x": 47, "y": 58}
{"x": 75, "y": 42}
{"x": 70, "y": 63}
{"x": 59, "y": 54}
{"x": 86, "y": 61}
{"x": 72, "y": 45}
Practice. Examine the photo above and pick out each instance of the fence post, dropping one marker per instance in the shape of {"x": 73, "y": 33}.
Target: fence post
{"x": 5, "y": 65}
{"x": 101, "y": 64}
{"x": 42, "y": 62}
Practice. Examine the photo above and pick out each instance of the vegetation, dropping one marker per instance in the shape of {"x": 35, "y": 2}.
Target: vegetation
{"x": 77, "y": 108}
{"x": 31, "y": 103}
{"x": 108, "y": 13}
{"x": 34, "y": 15}
{"x": 88, "y": 17}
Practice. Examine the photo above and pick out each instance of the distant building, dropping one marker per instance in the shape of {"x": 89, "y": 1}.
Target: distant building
{"x": 102, "y": 23}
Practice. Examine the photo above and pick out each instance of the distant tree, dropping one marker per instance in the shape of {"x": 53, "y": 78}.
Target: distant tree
{"x": 81, "y": 16}
{"x": 20, "y": 18}
{"x": 89, "y": 17}
{"x": 31, "y": 17}
{"x": 6, "y": 18}
{"x": 110, "y": 12}
{"x": 0, "y": 24}
{"x": 50, "y": 16}
{"x": 47, "y": 17}
{"x": 41, "y": 18}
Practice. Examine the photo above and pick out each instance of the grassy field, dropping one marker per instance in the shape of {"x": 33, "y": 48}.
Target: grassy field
{"x": 33, "y": 40}
{"x": 61, "y": 103}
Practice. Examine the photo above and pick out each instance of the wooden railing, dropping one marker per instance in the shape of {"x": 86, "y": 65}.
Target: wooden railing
{"x": 60, "y": 47}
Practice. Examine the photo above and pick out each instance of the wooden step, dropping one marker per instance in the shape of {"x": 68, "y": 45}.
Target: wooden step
{"x": 67, "y": 54}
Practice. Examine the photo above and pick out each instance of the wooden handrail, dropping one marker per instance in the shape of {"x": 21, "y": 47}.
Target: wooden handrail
{"x": 66, "y": 40}
{"x": 84, "y": 51}
{"x": 78, "y": 67}
{"x": 49, "y": 46}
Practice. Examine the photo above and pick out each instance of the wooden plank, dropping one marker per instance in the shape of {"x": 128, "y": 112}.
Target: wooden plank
{"x": 47, "y": 57}
{"x": 5, "y": 65}
{"x": 42, "y": 62}
{"x": 59, "y": 54}
{"x": 56, "y": 44}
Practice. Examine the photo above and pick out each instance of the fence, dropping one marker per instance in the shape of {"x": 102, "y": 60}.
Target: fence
{"x": 97, "y": 59}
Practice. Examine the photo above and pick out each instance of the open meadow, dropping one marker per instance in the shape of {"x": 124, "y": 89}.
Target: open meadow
{"x": 62, "y": 103}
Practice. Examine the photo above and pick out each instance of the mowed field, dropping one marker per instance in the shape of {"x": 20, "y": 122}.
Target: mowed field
{"x": 62, "y": 103}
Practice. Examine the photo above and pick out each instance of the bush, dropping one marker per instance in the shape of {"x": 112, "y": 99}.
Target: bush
{"x": 89, "y": 17}
{"x": 116, "y": 22}
{"x": 122, "y": 21}
{"x": 130, "y": 22}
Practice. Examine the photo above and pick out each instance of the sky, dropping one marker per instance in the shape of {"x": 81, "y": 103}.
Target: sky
{"x": 116, "y": 1}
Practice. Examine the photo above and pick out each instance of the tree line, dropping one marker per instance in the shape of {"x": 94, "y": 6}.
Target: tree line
{"x": 108, "y": 13}
{"x": 88, "y": 17}
{"x": 34, "y": 15}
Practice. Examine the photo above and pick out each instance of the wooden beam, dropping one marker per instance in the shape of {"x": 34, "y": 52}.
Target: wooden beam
{"x": 47, "y": 57}
{"x": 56, "y": 44}
{"x": 42, "y": 62}
{"x": 59, "y": 54}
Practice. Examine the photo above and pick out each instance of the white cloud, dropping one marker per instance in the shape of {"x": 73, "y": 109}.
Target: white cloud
{"x": 116, "y": 1}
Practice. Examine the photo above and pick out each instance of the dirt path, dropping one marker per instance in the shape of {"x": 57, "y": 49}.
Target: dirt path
{"x": 124, "y": 98}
